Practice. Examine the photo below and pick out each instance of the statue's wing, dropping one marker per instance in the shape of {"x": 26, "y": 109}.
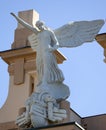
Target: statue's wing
{"x": 33, "y": 41}
{"x": 76, "y": 33}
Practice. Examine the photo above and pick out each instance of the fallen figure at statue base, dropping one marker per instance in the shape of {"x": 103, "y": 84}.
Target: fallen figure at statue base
{"x": 41, "y": 108}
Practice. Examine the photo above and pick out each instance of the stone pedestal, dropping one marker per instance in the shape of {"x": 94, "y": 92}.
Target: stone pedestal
{"x": 63, "y": 126}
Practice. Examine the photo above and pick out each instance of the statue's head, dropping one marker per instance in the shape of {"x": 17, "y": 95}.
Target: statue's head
{"x": 40, "y": 25}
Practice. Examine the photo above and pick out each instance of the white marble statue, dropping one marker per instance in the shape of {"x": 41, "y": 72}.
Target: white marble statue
{"x": 41, "y": 108}
{"x": 50, "y": 78}
{"x": 44, "y": 41}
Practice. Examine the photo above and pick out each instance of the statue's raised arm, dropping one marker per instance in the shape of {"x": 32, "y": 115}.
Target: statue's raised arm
{"x": 25, "y": 24}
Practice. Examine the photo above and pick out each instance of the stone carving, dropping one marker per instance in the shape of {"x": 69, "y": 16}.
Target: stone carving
{"x": 42, "y": 105}
{"x": 40, "y": 109}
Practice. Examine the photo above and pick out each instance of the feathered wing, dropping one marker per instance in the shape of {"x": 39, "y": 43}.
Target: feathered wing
{"x": 33, "y": 41}
{"x": 75, "y": 34}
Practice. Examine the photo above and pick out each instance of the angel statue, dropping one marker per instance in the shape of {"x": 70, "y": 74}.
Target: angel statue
{"x": 45, "y": 41}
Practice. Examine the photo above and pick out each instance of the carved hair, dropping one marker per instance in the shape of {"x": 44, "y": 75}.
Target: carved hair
{"x": 39, "y": 22}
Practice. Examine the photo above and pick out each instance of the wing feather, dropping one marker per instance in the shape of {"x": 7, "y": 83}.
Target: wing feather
{"x": 74, "y": 34}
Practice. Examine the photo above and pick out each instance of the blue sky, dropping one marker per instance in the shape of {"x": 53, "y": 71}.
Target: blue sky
{"x": 84, "y": 69}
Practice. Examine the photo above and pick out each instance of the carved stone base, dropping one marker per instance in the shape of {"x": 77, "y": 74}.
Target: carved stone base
{"x": 64, "y": 126}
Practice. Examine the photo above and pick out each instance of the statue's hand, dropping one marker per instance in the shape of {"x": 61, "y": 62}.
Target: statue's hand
{"x": 51, "y": 49}
{"x": 55, "y": 47}
{"x": 13, "y": 14}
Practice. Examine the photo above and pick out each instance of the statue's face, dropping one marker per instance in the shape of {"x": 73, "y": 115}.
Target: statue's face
{"x": 40, "y": 25}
